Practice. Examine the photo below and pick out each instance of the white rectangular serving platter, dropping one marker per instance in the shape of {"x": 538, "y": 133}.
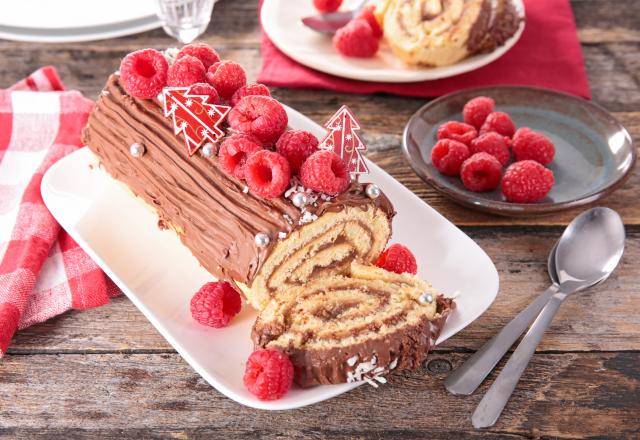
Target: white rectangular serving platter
{"x": 160, "y": 275}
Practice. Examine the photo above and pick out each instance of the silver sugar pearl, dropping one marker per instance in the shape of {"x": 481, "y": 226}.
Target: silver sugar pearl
{"x": 426, "y": 298}
{"x": 136, "y": 150}
{"x": 299, "y": 199}
{"x": 261, "y": 239}
{"x": 207, "y": 149}
{"x": 372, "y": 191}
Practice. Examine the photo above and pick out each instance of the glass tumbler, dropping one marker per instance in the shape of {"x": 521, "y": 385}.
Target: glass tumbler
{"x": 185, "y": 20}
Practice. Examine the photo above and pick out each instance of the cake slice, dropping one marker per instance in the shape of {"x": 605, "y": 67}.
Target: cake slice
{"x": 441, "y": 33}
{"x": 357, "y": 326}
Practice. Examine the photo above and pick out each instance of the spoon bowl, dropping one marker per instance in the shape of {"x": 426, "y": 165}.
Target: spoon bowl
{"x": 590, "y": 248}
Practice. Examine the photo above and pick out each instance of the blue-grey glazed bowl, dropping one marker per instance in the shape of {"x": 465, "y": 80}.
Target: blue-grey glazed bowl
{"x": 594, "y": 152}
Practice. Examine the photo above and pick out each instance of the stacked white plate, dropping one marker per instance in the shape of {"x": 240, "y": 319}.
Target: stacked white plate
{"x": 75, "y": 20}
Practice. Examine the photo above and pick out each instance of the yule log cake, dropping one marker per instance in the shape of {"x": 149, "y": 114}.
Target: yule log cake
{"x": 264, "y": 208}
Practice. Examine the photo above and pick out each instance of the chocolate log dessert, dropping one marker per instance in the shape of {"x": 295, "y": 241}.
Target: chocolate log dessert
{"x": 268, "y": 212}
{"x": 443, "y": 32}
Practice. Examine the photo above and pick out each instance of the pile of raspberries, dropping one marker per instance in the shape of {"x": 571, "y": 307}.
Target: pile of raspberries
{"x": 260, "y": 151}
{"x": 478, "y": 149}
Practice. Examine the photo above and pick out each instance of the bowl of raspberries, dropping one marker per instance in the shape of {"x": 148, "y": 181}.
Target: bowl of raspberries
{"x": 518, "y": 150}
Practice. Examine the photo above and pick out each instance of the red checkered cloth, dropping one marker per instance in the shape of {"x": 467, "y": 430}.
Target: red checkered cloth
{"x": 43, "y": 272}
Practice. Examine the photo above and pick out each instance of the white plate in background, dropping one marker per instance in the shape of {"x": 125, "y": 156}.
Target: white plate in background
{"x": 75, "y": 20}
{"x": 160, "y": 275}
{"x": 281, "y": 20}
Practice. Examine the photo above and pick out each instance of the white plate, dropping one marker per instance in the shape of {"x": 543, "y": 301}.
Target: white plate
{"x": 160, "y": 275}
{"x": 281, "y": 21}
{"x": 75, "y": 20}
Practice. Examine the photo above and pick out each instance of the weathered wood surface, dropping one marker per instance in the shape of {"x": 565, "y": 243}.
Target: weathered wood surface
{"x": 567, "y": 395}
{"x": 107, "y": 373}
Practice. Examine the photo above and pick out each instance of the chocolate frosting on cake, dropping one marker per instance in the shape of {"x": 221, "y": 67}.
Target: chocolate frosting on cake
{"x": 212, "y": 212}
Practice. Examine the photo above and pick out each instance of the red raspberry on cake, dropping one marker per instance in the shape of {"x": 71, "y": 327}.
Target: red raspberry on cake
{"x": 475, "y": 111}
{"x": 205, "y": 53}
{"x": 458, "y": 131}
{"x": 268, "y": 374}
{"x": 186, "y": 71}
{"x": 447, "y": 156}
{"x": 493, "y": 143}
{"x": 399, "y": 259}
{"x": 531, "y": 145}
{"x": 367, "y": 14}
{"x": 499, "y": 122}
{"x": 526, "y": 181}
{"x": 481, "y": 172}
{"x": 327, "y": 5}
{"x": 259, "y": 116}
{"x": 356, "y": 39}
{"x": 324, "y": 171}
{"x": 296, "y": 146}
{"x": 206, "y": 89}
{"x": 267, "y": 174}
{"x": 226, "y": 77}
{"x": 215, "y": 304}
{"x": 234, "y": 152}
{"x": 144, "y": 73}
{"x": 248, "y": 90}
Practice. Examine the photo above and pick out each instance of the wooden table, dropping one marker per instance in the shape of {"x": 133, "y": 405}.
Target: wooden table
{"x": 108, "y": 373}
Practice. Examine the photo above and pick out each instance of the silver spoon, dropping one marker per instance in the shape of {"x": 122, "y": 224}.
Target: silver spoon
{"x": 587, "y": 253}
{"x": 331, "y": 22}
{"x": 468, "y": 377}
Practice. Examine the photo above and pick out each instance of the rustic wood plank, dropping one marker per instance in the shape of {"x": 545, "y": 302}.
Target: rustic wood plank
{"x": 579, "y": 395}
{"x": 594, "y": 320}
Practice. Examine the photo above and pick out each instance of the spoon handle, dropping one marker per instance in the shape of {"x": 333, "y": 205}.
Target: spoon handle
{"x": 492, "y": 404}
{"x": 468, "y": 377}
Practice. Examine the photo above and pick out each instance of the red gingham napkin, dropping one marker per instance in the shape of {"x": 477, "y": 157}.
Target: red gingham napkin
{"x": 43, "y": 272}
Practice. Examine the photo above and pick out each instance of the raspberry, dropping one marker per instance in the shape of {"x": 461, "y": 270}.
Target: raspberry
{"x": 205, "y": 53}
{"x": 326, "y": 172}
{"x": 475, "y": 111}
{"x": 458, "y": 131}
{"x": 327, "y": 5}
{"x": 144, "y": 73}
{"x": 367, "y": 14}
{"x": 531, "y": 145}
{"x": 296, "y": 146}
{"x": 399, "y": 259}
{"x": 186, "y": 71}
{"x": 260, "y": 116}
{"x": 267, "y": 174}
{"x": 268, "y": 374}
{"x": 356, "y": 39}
{"x": 226, "y": 77}
{"x": 234, "y": 152}
{"x": 447, "y": 156}
{"x": 499, "y": 122}
{"x": 215, "y": 304}
{"x": 249, "y": 89}
{"x": 207, "y": 90}
{"x": 492, "y": 143}
{"x": 526, "y": 181}
{"x": 481, "y": 172}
